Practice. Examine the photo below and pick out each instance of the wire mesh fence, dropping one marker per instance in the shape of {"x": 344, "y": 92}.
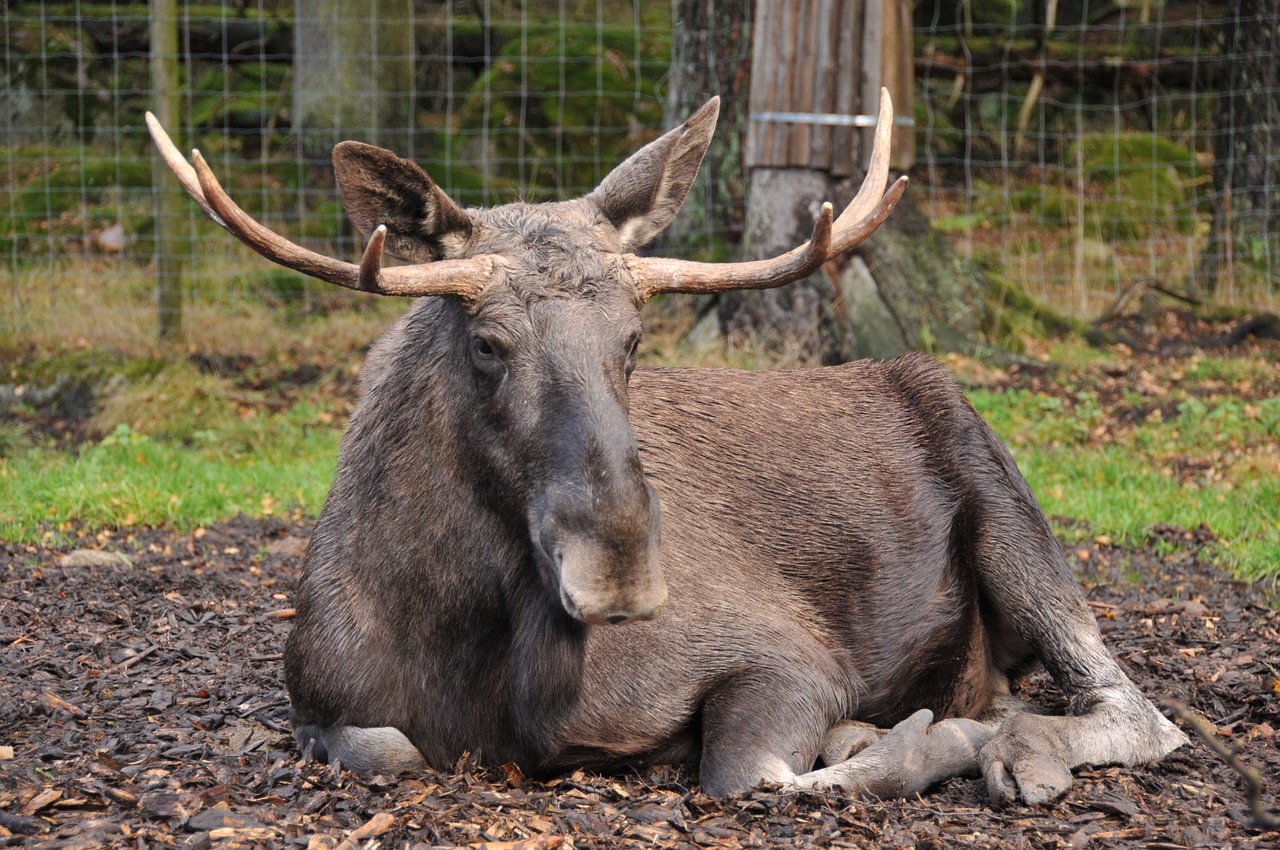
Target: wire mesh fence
{"x": 1072, "y": 148}
{"x": 1081, "y": 146}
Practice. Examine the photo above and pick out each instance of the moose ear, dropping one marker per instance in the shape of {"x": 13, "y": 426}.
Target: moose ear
{"x": 379, "y": 187}
{"x": 642, "y": 196}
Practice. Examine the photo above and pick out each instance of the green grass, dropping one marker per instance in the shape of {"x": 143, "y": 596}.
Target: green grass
{"x": 1115, "y": 444}
{"x": 129, "y": 479}
{"x": 1215, "y": 463}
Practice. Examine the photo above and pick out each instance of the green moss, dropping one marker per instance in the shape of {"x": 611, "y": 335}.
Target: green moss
{"x": 325, "y": 221}
{"x": 1113, "y": 155}
{"x": 935, "y": 130}
{"x": 15, "y": 438}
{"x": 583, "y": 106}
{"x": 177, "y": 403}
{"x": 76, "y": 182}
{"x": 94, "y": 366}
{"x": 1009, "y": 315}
{"x": 245, "y": 89}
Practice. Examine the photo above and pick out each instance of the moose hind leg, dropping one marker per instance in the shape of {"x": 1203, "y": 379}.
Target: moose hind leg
{"x": 770, "y": 723}
{"x": 906, "y": 760}
{"x": 366, "y": 750}
{"x": 1030, "y": 590}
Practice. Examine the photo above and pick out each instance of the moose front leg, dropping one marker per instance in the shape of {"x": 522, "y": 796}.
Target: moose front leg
{"x": 1031, "y": 755}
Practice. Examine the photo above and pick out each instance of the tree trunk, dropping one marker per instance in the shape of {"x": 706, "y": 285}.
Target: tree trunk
{"x": 902, "y": 289}
{"x": 710, "y": 54}
{"x": 1246, "y": 173}
{"x": 353, "y": 75}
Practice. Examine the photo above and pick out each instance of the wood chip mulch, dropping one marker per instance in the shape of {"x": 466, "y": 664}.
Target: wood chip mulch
{"x": 141, "y": 705}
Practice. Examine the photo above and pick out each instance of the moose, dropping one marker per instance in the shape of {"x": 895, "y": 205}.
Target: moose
{"x": 538, "y": 553}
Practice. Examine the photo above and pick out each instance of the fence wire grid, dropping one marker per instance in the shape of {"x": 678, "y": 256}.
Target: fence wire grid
{"x": 1075, "y": 155}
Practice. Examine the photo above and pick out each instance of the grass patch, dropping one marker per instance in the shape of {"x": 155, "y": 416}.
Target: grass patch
{"x": 92, "y": 305}
{"x": 129, "y": 479}
{"x": 1171, "y": 446}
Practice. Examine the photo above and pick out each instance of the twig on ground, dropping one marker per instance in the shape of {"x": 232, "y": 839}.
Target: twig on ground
{"x": 1262, "y": 817}
{"x": 134, "y": 659}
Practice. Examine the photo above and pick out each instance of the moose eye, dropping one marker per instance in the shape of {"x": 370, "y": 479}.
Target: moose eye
{"x": 633, "y": 347}
{"x": 486, "y": 357}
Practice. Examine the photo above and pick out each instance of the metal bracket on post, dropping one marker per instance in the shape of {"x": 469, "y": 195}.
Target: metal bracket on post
{"x": 826, "y": 119}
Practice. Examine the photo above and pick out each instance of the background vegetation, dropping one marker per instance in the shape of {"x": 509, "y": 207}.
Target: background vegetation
{"x": 101, "y": 426}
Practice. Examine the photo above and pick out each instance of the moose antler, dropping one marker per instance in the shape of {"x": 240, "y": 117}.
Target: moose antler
{"x": 863, "y": 215}
{"x": 464, "y": 278}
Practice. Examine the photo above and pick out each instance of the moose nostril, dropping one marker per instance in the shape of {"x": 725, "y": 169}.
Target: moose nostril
{"x": 618, "y": 618}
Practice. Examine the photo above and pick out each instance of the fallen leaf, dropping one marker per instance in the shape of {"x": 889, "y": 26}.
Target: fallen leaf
{"x": 538, "y": 842}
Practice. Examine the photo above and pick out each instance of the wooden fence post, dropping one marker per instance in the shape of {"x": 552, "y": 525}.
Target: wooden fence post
{"x": 168, "y": 228}
{"x": 817, "y": 67}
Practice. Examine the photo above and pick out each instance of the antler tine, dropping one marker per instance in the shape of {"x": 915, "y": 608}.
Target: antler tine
{"x": 464, "y": 278}
{"x": 869, "y": 208}
{"x": 371, "y": 262}
{"x": 180, "y": 167}
{"x": 869, "y": 194}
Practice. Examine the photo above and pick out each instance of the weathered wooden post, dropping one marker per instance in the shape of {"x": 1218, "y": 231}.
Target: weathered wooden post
{"x": 817, "y": 69}
{"x": 168, "y": 202}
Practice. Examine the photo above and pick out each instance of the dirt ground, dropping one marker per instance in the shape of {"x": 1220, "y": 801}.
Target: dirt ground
{"x": 143, "y": 704}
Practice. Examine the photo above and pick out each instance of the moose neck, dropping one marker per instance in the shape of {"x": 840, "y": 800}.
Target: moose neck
{"x": 479, "y": 534}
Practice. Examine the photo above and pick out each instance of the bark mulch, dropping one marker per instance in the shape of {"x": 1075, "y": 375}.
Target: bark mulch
{"x": 141, "y": 704}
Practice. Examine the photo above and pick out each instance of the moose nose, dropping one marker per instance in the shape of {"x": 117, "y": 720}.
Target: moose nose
{"x": 647, "y": 604}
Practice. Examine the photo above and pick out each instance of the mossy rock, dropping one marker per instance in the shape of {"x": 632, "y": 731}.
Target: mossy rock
{"x": 1111, "y": 155}
{"x": 247, "y": 89}
{"x": 1123, "y": 205}
{"x": 575, "y": 129}
{"x": 73, "y": 183}
{"x": 178, "y": 403}
{"x": 468, "y": 186}
{"x": 935, "y": 130}
{"x": 73, "y": 381}
{"x": 94, "y": 366}
{"x": 326, "y": 220}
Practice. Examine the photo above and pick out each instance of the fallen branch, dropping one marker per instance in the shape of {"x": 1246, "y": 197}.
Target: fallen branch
{"x": 1139, "y": 288}
{"x": 1262, "y": 817}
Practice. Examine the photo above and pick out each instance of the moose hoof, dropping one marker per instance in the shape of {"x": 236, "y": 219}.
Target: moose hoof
{"x": 928, "y": 753}
{"x": 846, "y": 739}
{"x": 1022, "y": 763}
{"x": 1037, "y": 780}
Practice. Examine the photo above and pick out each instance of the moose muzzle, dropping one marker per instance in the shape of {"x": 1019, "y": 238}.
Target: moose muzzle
{"x": 597, "y": 545}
